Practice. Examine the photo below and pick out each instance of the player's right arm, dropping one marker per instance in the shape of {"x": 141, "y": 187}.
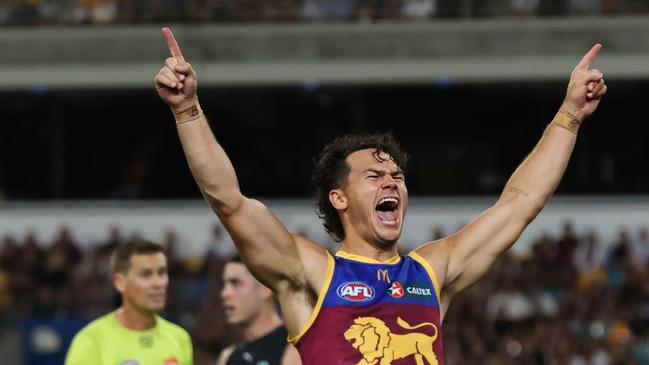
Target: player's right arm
{"x": 268, "y": 249}
{"x": 83, "y": 350}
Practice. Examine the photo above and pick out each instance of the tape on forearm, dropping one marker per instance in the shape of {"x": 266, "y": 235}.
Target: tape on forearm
{"x": 187, "y": 115}
{"x": 567, "y": 121}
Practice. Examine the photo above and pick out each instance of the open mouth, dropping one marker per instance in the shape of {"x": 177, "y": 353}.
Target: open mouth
{"x": 387, "y": 210}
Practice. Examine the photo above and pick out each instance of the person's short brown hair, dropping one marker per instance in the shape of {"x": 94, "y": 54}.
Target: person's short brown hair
{"x": 120, "y": 260}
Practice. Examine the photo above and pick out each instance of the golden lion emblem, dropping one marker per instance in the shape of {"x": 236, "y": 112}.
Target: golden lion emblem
{"x": 374, "y": 340}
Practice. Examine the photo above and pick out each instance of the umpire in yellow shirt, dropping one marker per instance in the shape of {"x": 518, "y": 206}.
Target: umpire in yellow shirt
{"x": 134, "y": 334}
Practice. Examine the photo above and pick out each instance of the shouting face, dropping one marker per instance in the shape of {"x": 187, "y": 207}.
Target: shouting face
{"x": 374, "y": 200}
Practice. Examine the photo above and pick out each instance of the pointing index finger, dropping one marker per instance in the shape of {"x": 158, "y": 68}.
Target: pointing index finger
{"x": 585, "y": 62}
{"x": 174, "y": 49}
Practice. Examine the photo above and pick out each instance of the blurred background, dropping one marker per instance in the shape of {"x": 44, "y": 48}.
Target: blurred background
{"x": 89, "y": 155}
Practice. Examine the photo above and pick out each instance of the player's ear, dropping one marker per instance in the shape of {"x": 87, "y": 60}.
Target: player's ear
{"x": 338, "y": 199}
{"x": 119, "y": 281}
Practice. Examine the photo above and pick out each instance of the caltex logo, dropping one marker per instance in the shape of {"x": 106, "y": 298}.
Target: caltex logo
{"x": 396, "y": 290}
{"x": 355, "y": 291}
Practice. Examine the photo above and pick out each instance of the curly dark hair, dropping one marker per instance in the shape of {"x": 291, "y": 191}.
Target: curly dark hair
{"x": 331, "y": 171}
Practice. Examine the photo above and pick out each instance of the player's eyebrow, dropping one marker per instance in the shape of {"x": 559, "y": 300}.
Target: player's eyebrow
{"x": 376, "y": 171}
{"x": 383, "y": 172}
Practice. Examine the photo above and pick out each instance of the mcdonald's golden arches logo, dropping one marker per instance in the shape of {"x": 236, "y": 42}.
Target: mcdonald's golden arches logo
{"x": 383, "y": 275}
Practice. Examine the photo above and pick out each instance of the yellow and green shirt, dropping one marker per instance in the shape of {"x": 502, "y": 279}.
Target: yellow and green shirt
{"x": 105, "y": 341}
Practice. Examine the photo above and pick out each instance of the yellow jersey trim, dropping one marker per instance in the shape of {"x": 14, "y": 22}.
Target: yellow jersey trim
{"x": 423, "y": 262}
{"x": 350, "y": 256}
{"x": 316, "y": 309}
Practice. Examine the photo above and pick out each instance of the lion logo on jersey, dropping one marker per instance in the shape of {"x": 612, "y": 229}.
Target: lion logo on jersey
{"x": 374, "y": 340}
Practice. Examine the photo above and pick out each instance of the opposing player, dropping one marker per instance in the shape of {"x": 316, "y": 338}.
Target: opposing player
{"x": 250, "y": 307}
{"x": 368, "y": 305}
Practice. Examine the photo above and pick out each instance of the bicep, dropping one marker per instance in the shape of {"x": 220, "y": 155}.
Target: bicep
{"x": 474, "y": 249}
{"x": 266, "y": 246}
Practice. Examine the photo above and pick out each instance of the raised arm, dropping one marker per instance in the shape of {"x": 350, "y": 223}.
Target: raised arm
{"x": 268, "y": 249}
{"x": 461, "y": 259}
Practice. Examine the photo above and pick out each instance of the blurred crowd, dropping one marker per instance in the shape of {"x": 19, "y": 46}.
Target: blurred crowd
{"x": 53, "y": 12}
{"x": 570, "y": 300}
{"x": 573, "y": 301}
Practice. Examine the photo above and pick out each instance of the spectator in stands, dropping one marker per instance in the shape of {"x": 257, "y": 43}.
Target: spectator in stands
{"x": 170, "y": 244}
{"x": 27, "y": 273}
{"x": 91, "y": 277}
{"x": 621, "y": 249}
{"x": 10, "y": 253}
{"x": 219, "y": 247}
{"x": 219, "y": 250}
{"x": 61, "y": 255}
{"x": 589, "y": 254}
{"x": 566, "y": 245}
{"x": 114, "y": 240}
{"x": 640, "y": 248}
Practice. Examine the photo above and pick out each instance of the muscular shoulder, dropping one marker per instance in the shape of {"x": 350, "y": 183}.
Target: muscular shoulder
{"x": 314, "y": 261}
{"x": 436, "y": 254}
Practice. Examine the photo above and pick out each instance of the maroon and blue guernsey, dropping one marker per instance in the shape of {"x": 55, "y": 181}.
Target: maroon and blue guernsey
{"x": 371, "y": 312}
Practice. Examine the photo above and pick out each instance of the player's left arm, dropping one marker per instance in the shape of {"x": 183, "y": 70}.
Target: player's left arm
{"x": 462, "y": 258}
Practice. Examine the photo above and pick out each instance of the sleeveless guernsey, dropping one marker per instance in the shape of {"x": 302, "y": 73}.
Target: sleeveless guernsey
{"x": 371, "y": 312}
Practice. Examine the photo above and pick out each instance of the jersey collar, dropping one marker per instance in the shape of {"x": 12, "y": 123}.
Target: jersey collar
{"x": 350, "y": 256}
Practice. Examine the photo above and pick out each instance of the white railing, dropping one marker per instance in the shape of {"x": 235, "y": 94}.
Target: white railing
{"x": 192, "y": 220}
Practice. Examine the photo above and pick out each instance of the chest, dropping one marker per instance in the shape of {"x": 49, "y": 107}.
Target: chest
{"x": 358, "y": 284}
{"x": 144, "y": 349}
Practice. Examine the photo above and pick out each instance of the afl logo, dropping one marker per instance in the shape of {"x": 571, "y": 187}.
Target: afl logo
{"x": 355, "y": 291}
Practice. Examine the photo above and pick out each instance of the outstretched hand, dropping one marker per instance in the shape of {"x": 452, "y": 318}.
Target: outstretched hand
{"x": 176, "y": 82}
{"x": 586, "y": 87}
